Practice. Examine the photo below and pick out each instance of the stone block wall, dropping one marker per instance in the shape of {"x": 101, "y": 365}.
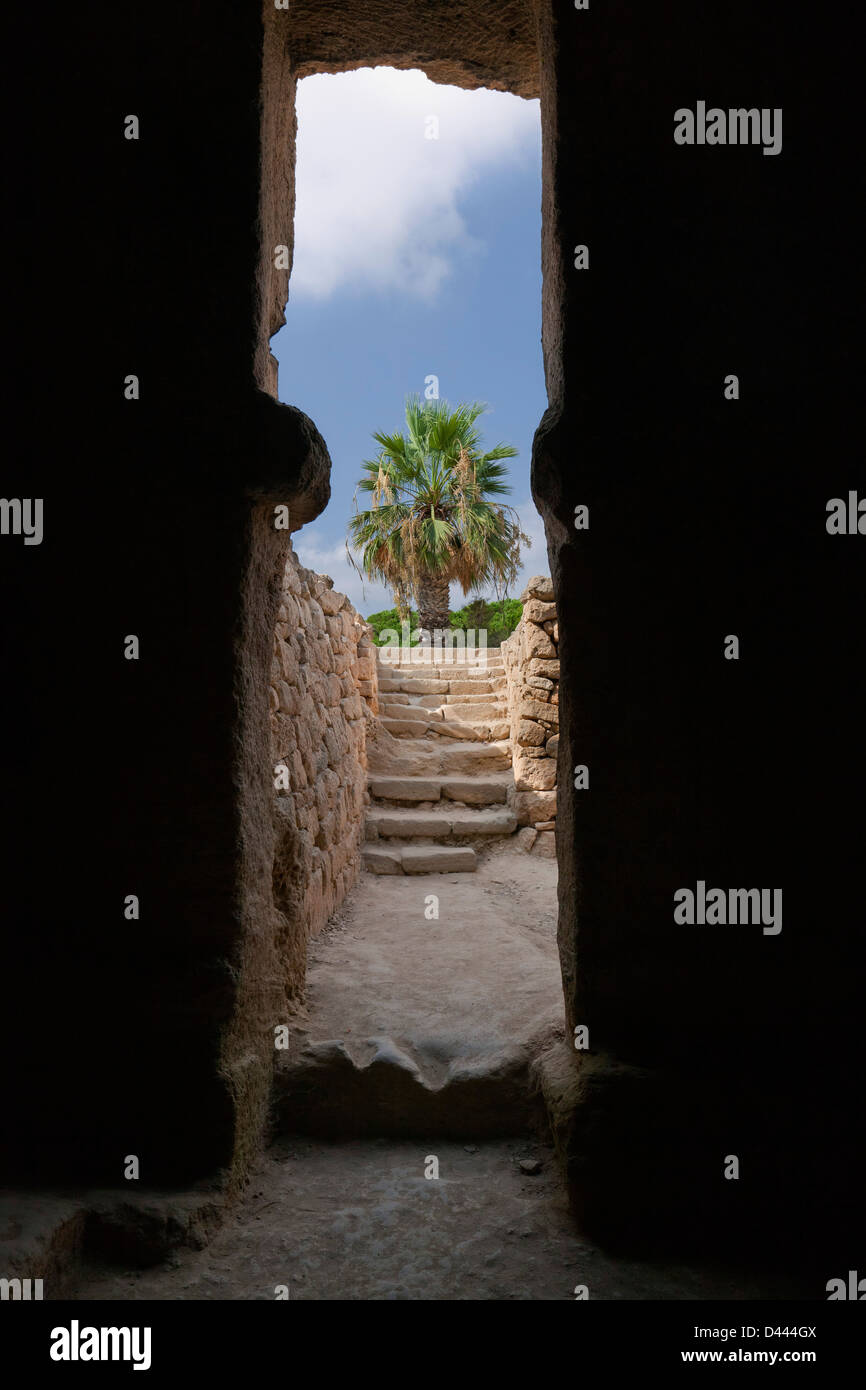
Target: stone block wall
{"x": 323, "y": 695}
{"x": 531, "y": 659}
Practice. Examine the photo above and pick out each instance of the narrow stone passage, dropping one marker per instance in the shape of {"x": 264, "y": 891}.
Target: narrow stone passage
{"x": 438, "y": 982}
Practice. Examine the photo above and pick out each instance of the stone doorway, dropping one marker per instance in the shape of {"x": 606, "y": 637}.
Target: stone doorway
{"x": 416, "y": 800}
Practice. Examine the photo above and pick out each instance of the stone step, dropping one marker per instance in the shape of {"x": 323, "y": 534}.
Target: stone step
{"x": 476, "y": 791}
{"x": 423, "y": 757}
{"x": 474, "y": 686}
{"x": 440, "y": 673}
{"x": 390, "y": 709}
{"x": 413, "y": 686}
{"x": 472, "y": 720}
{"x": 476, "y": 713}
{"x": 477, "y": 684}
{"x": 487, "y": 730}
{"x": 442, "y": 656}
{"x": 440, "y": 824}
{"x": 390, "y": 858}
{"x": 494, "y": 697}
{"x": 325, "y": 1092}
{"x": 452, "y": 728}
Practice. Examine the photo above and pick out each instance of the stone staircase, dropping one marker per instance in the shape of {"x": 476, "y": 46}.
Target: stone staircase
{"x": 439, "y": 769}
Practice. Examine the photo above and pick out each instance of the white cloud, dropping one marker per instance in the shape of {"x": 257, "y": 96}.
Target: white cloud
{"x": 377, "y": 204}
{"x": 321, "y": 553}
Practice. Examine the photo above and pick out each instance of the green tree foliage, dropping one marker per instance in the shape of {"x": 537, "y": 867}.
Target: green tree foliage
{"x": 434, "y": 517}
{"x": 500, "y": 618}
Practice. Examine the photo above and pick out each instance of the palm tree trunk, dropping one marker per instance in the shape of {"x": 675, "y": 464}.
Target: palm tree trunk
{"x": 400, "y": 590}
{"x": 433, "y": 601}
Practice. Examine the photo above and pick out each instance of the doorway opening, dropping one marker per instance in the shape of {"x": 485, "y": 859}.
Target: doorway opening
{"x": 415, "y": 709}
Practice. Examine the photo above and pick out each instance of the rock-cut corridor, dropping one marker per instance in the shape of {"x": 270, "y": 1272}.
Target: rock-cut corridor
{"x": 437, "y": 983}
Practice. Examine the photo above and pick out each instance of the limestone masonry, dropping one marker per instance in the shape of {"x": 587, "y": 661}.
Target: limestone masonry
{"x": 323, "y": 698}
{"x": 531, "y": 658}
{"x": 460, "y": 753}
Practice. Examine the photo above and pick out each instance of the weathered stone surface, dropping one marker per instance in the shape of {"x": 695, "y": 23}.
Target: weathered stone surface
{"x": 403, "y": 728}
{"x": 331, "y": 601}
{"x": 415, "y": 686}
{"x": 352, "y": 706}
{"x": 424, "y": 758}
{"x": 438, "y": 859}
{"x": 531, "y": 733}
{"x": 318, "y": 730}
{"x": 475, "y": 791}
{"x": 539, "y": 710}
{"x": 473, "y": 712}
{"x": 500, "y": 730}
{"x": 530, "y": 807}
{"x": 525, "y": 838}
{"x": 534, "y": 611}
{"x": 487, "y": 822}
{"x": 393, "y": 710}
{"x": 535, "y": 774}
{"x": 479, "y": 686}
{"x": 407, "y": 824}
{"x": 498, "y": 46}
{"x": 457, "y": 729}
{"x": 552, "y": 746}
{"x": 540, "y": 586}
{"x": 499, "y": 698}
{"x": 380, "y": 860}
{"x": 536, "y": 642}
{"x": 545, "y": 845}
{"x": 405, "y": 788}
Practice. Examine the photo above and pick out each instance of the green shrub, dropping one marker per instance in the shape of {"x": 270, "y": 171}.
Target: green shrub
{"x": 389, "y": 618}
{"x": 500, "y": 618}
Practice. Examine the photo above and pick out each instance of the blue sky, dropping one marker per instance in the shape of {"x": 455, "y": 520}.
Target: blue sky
{"x": 413, "y": 256}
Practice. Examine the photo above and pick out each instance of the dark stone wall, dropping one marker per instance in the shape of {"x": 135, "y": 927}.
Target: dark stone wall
{"x": 150, "y": 777}
{"x": 707, "y": 517}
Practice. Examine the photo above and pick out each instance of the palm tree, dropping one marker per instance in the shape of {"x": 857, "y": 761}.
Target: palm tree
{"x": 402, "y": 596}
{"x": 432, "y": 518}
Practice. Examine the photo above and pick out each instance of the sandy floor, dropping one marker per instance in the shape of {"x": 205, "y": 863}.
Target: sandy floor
{"x": 480, "y": 982}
